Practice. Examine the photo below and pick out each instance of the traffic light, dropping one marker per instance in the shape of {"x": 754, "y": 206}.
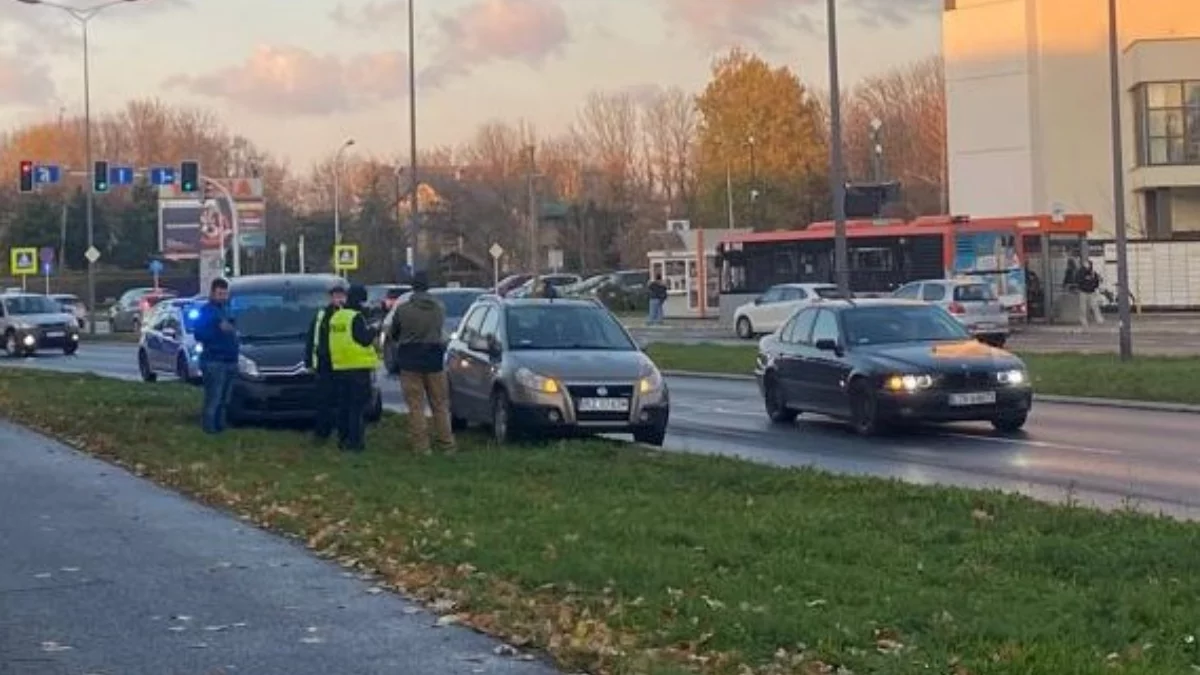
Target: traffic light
{"x": 100, "y": 177}
{"x": 189, "y": 176}
{"x": 26, "y": 176}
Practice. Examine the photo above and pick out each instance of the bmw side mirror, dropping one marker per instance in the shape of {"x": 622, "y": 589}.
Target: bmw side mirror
{"x": 828, "y": 345}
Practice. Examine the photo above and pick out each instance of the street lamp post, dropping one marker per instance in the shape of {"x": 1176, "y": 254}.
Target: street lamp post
{"x": 837, "y": 169}
{"x": 750, "y": 141}
{"x": 83, "y": 16}
{"x": 337, "y": 191}
{"x": 876, "y": 150}
{"x": 414, "y": 203}
{"x": 1125, "y": 329}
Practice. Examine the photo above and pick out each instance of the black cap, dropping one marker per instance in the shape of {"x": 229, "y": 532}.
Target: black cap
{"x": 356, "y": 296}
{"x": 420, "y": 281}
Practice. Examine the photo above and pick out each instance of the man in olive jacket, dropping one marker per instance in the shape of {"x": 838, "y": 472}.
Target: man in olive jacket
{"x": 420, "y": 355}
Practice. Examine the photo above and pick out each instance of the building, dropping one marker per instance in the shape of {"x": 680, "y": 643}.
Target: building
{"x": 1029, "y": 129}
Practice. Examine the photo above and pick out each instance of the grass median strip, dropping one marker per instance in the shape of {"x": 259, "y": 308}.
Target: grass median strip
{"x": 1147, "y": 378}
{"x": 615, "y": 559}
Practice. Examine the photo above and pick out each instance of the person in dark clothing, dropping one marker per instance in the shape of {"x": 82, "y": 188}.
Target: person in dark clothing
{"x": 658, "y": 297}
{"x": 1088, "y": 281}
{"x": 416, "y": 331}
{"x": 353, "y": 361}
{"x": 215, "y": 331}
{"x": 549, "y": 290}
{"x": 316, "y": 355}
{"x": 1071, "y": 276}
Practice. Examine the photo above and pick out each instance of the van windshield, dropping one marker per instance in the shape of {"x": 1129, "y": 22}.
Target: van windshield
{"x": 284, "y": 314}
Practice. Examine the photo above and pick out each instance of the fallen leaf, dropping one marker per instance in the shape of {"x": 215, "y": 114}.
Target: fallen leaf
{"x": 505, "y": 650}
{"x": 448, "y": 620}
{"x": 69, "y": 569}
{"x": 819, "y": 602}
{"x": 312, "y": 640}
{"x": 215, "y": 629}
{"x": 177, "y": 629}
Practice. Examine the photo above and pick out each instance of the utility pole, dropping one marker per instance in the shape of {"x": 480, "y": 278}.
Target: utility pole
{"x": 837, "y": 169}
{"x": 1125, "y": 330}
{"x": 876, "y": 150}
{"x": 534, "y": 239}
{"x": 414, "y": 203}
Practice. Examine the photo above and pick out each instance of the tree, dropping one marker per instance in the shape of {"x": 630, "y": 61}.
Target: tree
{"x": 670, "y": 123}
{"x": 753, "y": 114}
{"x": 607, "y": 131}
{"x": 910, "y": 103}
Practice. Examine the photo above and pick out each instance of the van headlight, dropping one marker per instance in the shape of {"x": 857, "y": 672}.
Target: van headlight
{"x": 908, "y": 382}
{"x": 534, "y": 382}
{"x": 651, "y": 382}
{"x": 1012, "y": 377}
{"x": 248, "y": 368}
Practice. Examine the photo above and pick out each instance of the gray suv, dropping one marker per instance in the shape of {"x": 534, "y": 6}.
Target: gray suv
{"x": 31, "y": 322}
{"x": 541, "y": 367}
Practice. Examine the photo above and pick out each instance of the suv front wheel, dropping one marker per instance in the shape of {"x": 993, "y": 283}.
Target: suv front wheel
{"x": 503, "y": 430}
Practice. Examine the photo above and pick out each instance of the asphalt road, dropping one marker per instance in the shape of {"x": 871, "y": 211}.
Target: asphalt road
{"x": 1102, "y": 456}
{"x": 105, "y": 573}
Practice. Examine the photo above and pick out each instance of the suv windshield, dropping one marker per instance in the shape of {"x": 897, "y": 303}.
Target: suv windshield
{"x": 974, "y": 293}
{"x": 559, "y": 326}
{"x": 31, "y": 304}
{"x": 286, "y": 313}
{"x": 894, "y": 324}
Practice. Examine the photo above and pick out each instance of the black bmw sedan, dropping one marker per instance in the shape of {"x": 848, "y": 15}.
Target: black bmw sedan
{"x": 880, "y": 362}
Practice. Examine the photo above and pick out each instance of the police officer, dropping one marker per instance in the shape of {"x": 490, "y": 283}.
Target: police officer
{"x": 318, "y": 359}
{"x": 353, "y": 360}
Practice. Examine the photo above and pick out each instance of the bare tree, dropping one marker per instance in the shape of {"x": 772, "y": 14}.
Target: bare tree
{"x": 670, "y": 122}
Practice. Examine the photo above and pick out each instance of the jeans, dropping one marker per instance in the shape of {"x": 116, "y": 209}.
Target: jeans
{"x": 218, "y": 383}
{"x": 656, "y": 311}
{"x": 353, "y": 391}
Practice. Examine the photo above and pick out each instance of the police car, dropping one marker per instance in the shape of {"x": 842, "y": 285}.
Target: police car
{"x": 168, "y": 341}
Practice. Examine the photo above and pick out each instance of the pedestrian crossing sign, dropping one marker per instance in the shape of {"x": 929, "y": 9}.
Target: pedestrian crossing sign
{"x": 23, "y": 261}
{"x": 345, "y": 257}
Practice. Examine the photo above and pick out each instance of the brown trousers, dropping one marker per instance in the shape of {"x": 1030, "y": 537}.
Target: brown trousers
{"x": 431, "y": 388}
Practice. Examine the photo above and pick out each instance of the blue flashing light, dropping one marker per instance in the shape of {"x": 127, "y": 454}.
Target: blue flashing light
{"x": 193, "y": 314}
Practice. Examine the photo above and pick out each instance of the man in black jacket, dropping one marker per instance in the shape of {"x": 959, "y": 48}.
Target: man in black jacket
{"x": 316, "y": 357}
{"x": 416, "y": 331}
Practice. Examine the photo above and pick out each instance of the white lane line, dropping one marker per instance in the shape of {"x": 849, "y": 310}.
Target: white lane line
{"x": 1037, "y": 444}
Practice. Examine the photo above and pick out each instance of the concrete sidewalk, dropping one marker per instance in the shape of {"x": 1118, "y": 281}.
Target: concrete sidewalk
{"x": 104, "y": 573}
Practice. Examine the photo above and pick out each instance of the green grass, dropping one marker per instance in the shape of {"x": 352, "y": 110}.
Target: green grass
{"x": 1147, "y": 378}
{"x": 616, "y": 559}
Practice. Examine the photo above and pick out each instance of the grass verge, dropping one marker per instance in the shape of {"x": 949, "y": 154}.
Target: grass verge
{"x": 131, "y": 338}
{"x": 618, "y": 560}
{"x": 1148, "y": 378}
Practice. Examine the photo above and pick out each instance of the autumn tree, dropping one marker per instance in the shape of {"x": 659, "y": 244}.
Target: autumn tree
{"x": 762, "y": 125}
{"x": 909, "y": 103}
{"x": 669, "y": 120}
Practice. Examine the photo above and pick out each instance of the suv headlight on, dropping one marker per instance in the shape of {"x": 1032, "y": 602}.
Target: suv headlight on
{"x": 908, "y": 382}
{"x": 248, "y": 368}
{"x": 1013, "y": 377}
{"x": 534, "y": 382}
{"x": 651, "y": 382}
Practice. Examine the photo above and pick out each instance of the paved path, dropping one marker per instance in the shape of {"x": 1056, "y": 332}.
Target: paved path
{"x": 105, "y": 573}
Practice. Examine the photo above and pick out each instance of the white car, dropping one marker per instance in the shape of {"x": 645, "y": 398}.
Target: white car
{"x": 772, "y": 309}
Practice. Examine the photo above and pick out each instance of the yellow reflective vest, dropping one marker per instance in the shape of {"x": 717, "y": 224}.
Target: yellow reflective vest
{"x": 344, "y": 352}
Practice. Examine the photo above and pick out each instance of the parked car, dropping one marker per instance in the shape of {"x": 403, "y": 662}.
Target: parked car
{"x": 620, "y": 291}
{"x": 381, "y": 298}
{"x": 168, "y": 342}
{"x": 556, "y": 280}
{"x": 30, "y": 322}
{"x": 128, "y": 313}
{"x": 534, "y": 366}
{"x": 511, "y": 283}
{"x": 72, "y": 305}
{"x": 769, "y": 311}
{"x": 970, "y": 301}
{"x": 272, "y": 313}
{"x": 880, "y": 362}
{"x": 455, "y": 303}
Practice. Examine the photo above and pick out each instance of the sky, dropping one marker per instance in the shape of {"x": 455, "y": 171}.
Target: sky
{"x": 299, "y": 77}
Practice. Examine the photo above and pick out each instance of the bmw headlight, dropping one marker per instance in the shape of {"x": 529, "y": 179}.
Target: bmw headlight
{"x": 534, "y": 382}
{"x": 651, "y": 382}
{"x": 247, "y": 367}
{"x": 1014, "y": 377}
{"x": 908, "y": 382}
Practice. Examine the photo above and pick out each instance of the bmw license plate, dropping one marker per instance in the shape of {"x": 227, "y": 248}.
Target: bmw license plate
{"x": 603, "y": 405}
{"x": 973, "y": 398}
{"x": 56, "y": 334}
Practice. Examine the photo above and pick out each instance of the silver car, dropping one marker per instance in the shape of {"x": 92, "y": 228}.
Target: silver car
{"x": 30, "y": 322}
{"x": 168, "y": 341}
{"x": 971, "y": 301}
{"x": 541, "y": 367}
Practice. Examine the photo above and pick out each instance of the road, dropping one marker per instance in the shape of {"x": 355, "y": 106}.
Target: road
{"x": 106, "y": 573}
{"x": 1101, "y": 456}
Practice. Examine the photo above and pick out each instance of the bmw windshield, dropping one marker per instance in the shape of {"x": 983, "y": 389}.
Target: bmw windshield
{"x": 566, "y": 327}
{"x": 892, "y": 324}
{"x": 282, "y": 315}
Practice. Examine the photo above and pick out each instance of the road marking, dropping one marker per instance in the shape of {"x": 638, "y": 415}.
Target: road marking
{"x": 1037, "y": 444}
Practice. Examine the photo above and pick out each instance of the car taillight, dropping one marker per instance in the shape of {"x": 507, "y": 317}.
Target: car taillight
{"x": 956, "y": 308}
{"x": 1018, "y": 309}
{"x": 144, "y": 305}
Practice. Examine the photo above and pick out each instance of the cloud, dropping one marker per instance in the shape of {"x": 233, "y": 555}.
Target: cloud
{"x": 291, "y": 80}
{"x": 24, "y": 83}
{"x": 46, "y": 29}
{"x": 723, "y": 23}
{"x": 523, "y": 31}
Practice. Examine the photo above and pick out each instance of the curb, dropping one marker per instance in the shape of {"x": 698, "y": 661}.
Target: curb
{"x": 1148, "y": 406}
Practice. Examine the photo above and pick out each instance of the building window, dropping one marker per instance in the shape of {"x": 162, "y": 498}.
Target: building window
{"x": 1168, "y": 118}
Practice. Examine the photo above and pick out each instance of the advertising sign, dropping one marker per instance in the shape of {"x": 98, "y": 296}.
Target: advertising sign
{"x": 187, "y": 226}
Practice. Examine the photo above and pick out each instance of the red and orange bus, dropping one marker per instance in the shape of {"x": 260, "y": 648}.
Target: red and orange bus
{"x": 1013, "y": 253}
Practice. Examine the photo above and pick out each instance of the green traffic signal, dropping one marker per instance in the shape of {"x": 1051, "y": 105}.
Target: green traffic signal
{"x": 100, "y": 176}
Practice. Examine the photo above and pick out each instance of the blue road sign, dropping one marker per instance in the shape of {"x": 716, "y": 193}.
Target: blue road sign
{"x": 46, "y": 255}
{"x": 47, "y": 268}
{"x": 120, "y": 175}
{"x": 47, "y": 174}
{"x": 162, "y": 175}
{"x": 156, "y": 267}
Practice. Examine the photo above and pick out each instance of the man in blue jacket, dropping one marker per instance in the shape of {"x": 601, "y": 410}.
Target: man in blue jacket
{"x": 219, "y": 359}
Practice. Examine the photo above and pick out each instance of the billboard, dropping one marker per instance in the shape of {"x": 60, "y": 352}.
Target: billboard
{"x": 187, "y": 225}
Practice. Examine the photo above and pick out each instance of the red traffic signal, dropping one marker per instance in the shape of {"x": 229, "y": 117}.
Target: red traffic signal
{"x": 26, "y": 176}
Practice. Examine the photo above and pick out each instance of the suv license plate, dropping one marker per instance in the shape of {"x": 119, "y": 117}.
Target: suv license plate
{"x": 56, "y": 334}
{"x": 974, "y": 398}
{"x": 603, "y": 405}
